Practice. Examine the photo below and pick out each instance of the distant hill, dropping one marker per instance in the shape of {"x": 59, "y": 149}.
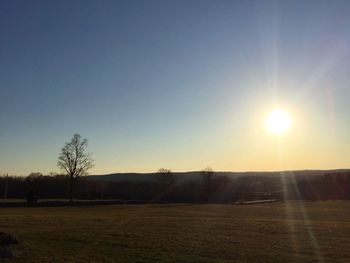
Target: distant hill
{"x": 188, "y": 187}
{"x": 196, "y": 175}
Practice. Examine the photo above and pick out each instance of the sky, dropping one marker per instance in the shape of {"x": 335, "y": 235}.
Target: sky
{"x": 175, "y": 84}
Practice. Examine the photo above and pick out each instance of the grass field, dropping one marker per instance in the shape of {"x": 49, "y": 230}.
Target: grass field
{"x": 277, "y": 232}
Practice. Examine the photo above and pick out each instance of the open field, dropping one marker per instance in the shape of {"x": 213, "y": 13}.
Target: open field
{"x": 277, "y": 232}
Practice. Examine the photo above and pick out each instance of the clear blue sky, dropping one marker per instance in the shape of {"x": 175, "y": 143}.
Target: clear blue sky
{"x": 175, "y": 84}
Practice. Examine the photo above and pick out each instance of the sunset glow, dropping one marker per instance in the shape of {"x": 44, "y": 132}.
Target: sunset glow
{"x": 277, "y": 121}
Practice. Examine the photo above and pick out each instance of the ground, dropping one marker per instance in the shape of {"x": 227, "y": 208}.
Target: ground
{"x": 276, "y": 232}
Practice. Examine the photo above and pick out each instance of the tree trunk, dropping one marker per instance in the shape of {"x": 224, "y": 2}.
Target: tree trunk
{"x": 71, "y": 188}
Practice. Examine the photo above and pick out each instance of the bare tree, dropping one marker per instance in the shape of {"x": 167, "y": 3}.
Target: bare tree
{"x": 164, "y": 177}
{"x": 165, "y": 180}
{"x": 207, "y": 175}
{"x": 74, "y": 160}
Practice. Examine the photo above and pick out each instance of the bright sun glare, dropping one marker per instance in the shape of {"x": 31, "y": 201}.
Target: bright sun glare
{"x": 277, "y": 121}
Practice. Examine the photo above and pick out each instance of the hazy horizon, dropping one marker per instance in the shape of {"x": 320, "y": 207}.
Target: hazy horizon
{"x": 200, "y": 170}
{"x": 175, "y": 84}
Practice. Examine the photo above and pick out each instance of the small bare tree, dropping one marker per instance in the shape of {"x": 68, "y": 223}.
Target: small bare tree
{"x": 165, "y": 179}
{"x": 164, "y": 175}
{"x": 74, "y": 160}
{"x": 207, "y": 175}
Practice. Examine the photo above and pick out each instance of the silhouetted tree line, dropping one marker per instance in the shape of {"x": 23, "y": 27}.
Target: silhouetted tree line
{"x": 166, "y": 187}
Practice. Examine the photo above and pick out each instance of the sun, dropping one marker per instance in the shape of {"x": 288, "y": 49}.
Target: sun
{"x": 277, "y": 121}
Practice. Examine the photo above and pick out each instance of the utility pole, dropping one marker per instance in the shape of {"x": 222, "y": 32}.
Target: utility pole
{"x": 6, "y": 186}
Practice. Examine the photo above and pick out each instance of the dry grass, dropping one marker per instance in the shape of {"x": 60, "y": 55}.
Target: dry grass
{"x": 278, "y": 232}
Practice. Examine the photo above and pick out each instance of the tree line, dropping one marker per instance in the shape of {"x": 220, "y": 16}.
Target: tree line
{"x": 166, "y": 186}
